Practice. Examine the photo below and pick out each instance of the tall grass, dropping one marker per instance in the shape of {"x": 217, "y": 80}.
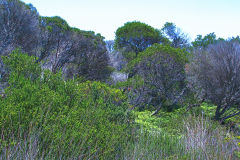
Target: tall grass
{"x": 155, "y": 145}
{"x": 29, "y": 146}
{"x": 201, "y": 139}
{"x": 205, "y": 140}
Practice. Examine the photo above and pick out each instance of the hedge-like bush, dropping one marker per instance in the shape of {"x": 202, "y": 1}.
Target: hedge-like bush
{"x": 87, "y": 119}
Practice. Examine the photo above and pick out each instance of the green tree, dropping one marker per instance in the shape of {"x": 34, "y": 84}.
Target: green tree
{"x": 76, "y": 52}
{"x": 236, "y": 39}
{"x": 136, "y": 37}
{"x": 208, "y": 39}
{"x": 57, "y": 45}
{"x": 161, "y": 70}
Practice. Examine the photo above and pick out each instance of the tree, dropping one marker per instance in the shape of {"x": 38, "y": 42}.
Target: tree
{"x": 91, "y": 59}
{"x": 76, "y": 52}
{"x": 177, "y": 38}
{"x": 136, "y": 36}
{"x": 162, "y": 71}
{"x": 214, "y": 75}
{"x": 201, "y": 41}
{"x": 18, "y": 27}
{"x": 237, "y": 39}
{"x": 56, "y": 44}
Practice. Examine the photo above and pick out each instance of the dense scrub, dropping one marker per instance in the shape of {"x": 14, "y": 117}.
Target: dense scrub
{"x": 68, "y": 118}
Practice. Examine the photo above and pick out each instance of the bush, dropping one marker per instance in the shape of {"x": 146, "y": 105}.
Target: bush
{"x": 69, "y": 118}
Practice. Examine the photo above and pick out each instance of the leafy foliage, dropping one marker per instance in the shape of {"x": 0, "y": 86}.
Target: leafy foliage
{"x": 22, "y": 64}
{"x": 63, "y": 113}
{"x": 136, "y": 37}
{"x": 65, "y": 116}
{"x": 58, "y": 46}
{"x": 56, "y": 21}
{"x": 161, "y": 69}
{"x": 206, "y": 40}
{"x": 180, "y": 135}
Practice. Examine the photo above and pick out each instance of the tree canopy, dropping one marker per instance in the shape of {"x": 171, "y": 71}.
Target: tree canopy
{"x": 177, "y": 38}
{"x": 208, "y": 39}
{"x": 161, "y": 68}
{"x": 136, "y": 36}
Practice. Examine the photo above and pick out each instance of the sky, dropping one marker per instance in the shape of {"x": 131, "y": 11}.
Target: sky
{"x": 194, "y": 17}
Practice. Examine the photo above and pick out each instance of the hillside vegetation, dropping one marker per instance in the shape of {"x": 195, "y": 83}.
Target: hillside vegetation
{"x": 149, "y": 94}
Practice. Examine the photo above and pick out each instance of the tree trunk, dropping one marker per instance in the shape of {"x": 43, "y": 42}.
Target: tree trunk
{"x": 217, "y": 113}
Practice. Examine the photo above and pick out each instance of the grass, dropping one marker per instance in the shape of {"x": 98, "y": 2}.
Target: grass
{"x": 168, "y": 136}
{"x": 178, "y": 135}
{"x": 205, "y": 140}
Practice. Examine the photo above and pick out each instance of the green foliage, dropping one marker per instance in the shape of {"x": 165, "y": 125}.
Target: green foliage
{"x": 71, "y": 118}
{"x": 56, "y": 21}
{"x": 88, "y": 34}
{"x": 201, "y": 41}
{"x": 22, "y": 65}
{"x": 168, "y": 122}
{"x": 78, "y": 53}
{"x": 163, "y": 142}
{"x": 210, "y": 109}
{"x": 129, "y": 56}
{"x": 136, "y": 36}
{"x": 161, "y": 69}
{"x": 236, "y": 39}
{"x": 131, "y": 83}
{"x": 179, "y": 55}
{"x": 180, "y": 135}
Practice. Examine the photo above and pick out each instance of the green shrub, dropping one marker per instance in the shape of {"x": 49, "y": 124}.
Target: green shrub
{"x": 84, "y": 120}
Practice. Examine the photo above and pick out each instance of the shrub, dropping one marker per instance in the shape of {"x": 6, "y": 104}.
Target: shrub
{"x": 68, "y": 118}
